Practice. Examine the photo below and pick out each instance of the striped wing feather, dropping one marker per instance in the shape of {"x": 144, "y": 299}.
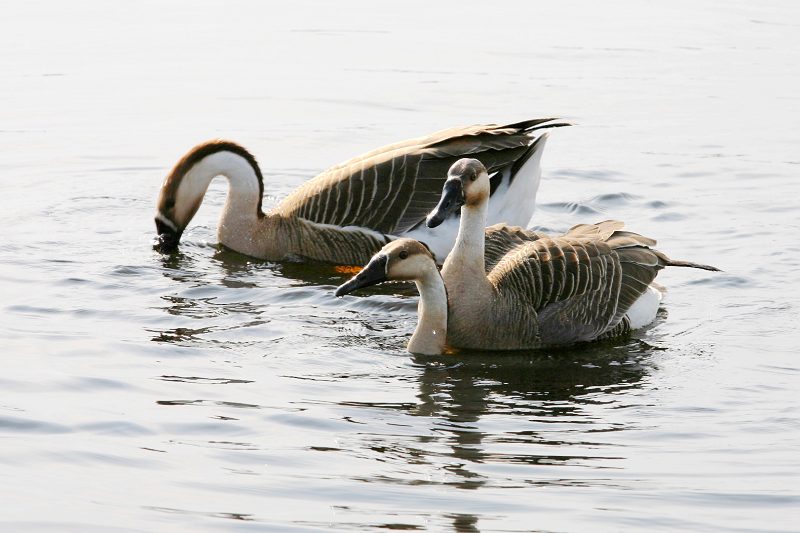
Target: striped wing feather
{"x": 582, "y": 283}
{"x": 393, "y": 188}
{"x": 501, "y": 239}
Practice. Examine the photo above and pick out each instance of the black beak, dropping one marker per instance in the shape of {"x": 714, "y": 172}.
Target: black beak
{"x": 452, "y": 199}
{"x": 168, "y": 238}
{"x": 373, "y": 273}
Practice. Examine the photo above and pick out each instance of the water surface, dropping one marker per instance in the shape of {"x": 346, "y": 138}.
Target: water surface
{"x": 208, "y": 391}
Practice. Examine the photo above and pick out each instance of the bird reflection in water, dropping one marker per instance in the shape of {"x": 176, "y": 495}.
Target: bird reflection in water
{"x": 538, "y": 389}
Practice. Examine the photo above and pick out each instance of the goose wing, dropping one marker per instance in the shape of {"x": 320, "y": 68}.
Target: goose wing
{"x": 501, "y": 238}
{"x": 392, "y": 189}
{"x": 582, "y": 283}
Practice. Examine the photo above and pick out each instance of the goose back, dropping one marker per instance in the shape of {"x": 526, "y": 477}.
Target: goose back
{"x": 557, "y": 290}
{"x": 580, "y": 284}
{"x": 348, "y": 212}
{"x": 502, "y": 238}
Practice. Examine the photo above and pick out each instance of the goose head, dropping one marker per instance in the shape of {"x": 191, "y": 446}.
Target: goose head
{"x": 467, "y": 184}
{"x": 185, "y": 186}
{"x": 400, "y": 260}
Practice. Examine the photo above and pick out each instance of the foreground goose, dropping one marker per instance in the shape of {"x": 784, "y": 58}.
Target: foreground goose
{"x": 346, "y": 214}
{"x": 507, "y": 288}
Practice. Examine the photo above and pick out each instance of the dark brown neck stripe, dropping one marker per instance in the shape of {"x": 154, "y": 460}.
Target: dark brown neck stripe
{"x": 208, "y": 148}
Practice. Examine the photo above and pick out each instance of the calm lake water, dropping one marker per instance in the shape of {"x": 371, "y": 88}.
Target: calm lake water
{"x": 209, "y": 392}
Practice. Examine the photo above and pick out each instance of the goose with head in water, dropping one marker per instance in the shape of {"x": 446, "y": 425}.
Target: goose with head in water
{"x": 346, "y": 214}
{"x": 505, "y": 288}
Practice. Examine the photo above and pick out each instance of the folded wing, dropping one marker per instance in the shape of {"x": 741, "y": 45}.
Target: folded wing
{"x": 582, "y": 283}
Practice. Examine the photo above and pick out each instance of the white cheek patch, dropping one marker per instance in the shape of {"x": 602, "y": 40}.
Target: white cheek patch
{"x": 164, "y": 220}
{"x": 411, "y": 268}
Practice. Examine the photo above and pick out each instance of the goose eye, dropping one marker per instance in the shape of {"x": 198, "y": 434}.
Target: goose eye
{"x": 403, "y": 254}
{"x": 473, "y": 177}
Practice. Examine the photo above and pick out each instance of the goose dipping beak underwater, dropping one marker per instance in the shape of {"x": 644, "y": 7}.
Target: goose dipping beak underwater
{"x": 349, "y": 211}
{"x": 168, "y": 235}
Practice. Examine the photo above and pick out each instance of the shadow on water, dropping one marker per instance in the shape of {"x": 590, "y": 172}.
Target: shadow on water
{"x": 553, "y": 402}
{"x": 551, "y": 376}
{"x": 507, "y": 420}
{"x": 198, "y": 291}
{"x": 185, "y": 265}
{"x": 177, "y": 265}
{"x": 546, "y": 387}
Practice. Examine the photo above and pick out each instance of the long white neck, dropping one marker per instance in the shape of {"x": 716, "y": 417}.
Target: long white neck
{"x": 244, "y": 194}
{"x": 431, "y": 334}
{"x": 467, "y": 257}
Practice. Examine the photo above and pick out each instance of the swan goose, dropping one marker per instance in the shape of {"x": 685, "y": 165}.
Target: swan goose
{"x": 506, "y": 288}
{"x": 346, "y": 213}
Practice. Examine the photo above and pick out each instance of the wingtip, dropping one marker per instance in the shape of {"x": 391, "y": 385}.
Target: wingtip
{"x": 710, "y": 268}
{"x": 539, "y": 123}
{"x": 689, "y": 264}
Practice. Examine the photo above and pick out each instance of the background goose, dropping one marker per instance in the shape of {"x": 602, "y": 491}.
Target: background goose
{"x": 346, "y": 214}
{"x": 508, "y": 288}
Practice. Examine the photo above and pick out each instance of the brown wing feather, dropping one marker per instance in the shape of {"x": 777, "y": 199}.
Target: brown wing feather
{"x": 502, "y": 238}
{"x": 392, "y": 189}
{"x": 582, "y": 283}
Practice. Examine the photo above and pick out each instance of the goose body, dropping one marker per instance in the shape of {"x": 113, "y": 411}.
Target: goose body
{"x": 508, "y": 288}
{"x": 347, "y": 213}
